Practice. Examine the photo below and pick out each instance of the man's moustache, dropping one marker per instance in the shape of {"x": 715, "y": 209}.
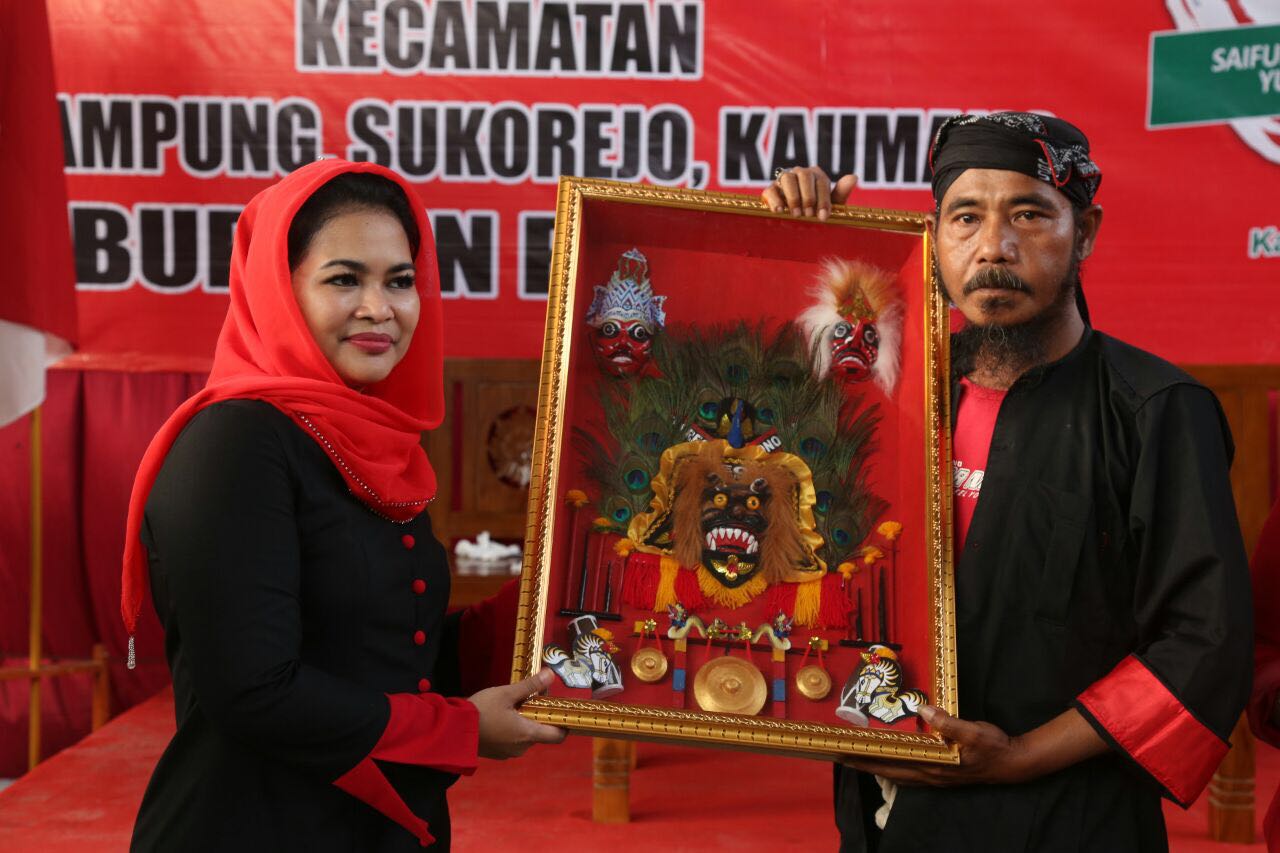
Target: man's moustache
{"x": 995, "y": 279}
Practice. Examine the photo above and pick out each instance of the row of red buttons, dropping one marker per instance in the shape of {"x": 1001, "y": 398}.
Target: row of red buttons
{"x": 419, "y": 587}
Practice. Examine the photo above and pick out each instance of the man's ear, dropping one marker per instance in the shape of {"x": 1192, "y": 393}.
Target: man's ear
{"x": 931, "y": 226}
{"x": 1088, "y": 221}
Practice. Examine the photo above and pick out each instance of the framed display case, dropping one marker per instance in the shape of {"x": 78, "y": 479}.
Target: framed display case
{"x": 739, "y": 516}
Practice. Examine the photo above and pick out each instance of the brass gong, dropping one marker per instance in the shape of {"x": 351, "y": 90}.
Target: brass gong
{"x": 729, "y": 685}
{"x": 649, "y": 665}
{"x": 813, "y": 682}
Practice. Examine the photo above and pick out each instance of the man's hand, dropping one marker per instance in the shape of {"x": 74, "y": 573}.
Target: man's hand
{"x": 503, "y": 732}
{"x": 989, "y": 756}
{"x": 805, "y": 190}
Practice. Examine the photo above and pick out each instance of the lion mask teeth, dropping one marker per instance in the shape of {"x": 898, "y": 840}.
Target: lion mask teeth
{"x": 734, "y": 537}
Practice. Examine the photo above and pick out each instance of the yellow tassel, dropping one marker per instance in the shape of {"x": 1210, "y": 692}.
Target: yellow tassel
{"x": 667, "y": 569}
{"x": 808, "y": 602}
{"x": 726, "y": 597}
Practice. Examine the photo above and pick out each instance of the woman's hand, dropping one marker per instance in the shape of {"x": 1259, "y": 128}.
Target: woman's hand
{"x": 989, "y": 756}
{"x": 806, "y": 190}
{"x": 503, "y": 732}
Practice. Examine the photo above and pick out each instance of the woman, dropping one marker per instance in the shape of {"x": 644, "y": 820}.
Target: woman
{"x": 280, "y": 513}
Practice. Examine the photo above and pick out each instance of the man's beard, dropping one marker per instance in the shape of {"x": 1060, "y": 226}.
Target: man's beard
{"x": 1010, "y": 346}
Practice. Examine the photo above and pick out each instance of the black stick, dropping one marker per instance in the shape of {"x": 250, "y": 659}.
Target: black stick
{"x": 857, "y": 624}
{"x": 608, "y": 586}
{"x": 582, "y": 583}
{"x": 884, "y": 609}
{"x": 893, "y": 567}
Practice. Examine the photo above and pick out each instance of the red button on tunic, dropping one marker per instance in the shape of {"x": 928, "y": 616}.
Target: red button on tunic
{"x": 419, "y": 638}
{"x": 419, "y": 586}
{"x": 423, "y": 685}
{"x": 407, "y": 540}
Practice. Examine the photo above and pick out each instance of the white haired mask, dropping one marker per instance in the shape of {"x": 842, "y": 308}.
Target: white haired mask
{"x": 855, "y": 324}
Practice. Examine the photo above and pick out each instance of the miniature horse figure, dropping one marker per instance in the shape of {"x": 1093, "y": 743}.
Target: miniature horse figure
{"x": 876, "y": 690}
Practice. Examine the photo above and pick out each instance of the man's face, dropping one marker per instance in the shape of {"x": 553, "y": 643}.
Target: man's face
{"x": 993, "y": 223}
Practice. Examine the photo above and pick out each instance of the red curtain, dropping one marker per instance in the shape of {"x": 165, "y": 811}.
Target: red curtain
{"x": 96, "y": 426}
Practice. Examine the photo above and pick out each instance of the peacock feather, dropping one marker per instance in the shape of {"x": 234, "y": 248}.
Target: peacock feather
{"x": 737, "y": 382}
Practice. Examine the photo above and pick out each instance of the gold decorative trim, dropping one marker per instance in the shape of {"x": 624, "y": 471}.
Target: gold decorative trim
{"x": 937, "y": 379}
{"x": 700, "y": 726}
{"x": 682, "y": 725}
{"x": 911, "y": 222}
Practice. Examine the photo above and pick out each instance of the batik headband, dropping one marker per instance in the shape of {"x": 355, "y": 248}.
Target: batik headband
{"x": 1043, "y": 147}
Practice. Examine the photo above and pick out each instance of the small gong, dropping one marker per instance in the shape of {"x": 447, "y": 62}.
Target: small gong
{"x": 729, "y": 685}
{"x": 649, "y": 665}
{"x": 813, "y": 682}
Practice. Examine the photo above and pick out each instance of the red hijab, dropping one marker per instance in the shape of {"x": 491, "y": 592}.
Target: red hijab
{"x": 265, "y": 352}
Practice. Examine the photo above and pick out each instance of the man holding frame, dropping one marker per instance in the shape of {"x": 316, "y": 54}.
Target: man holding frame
{"x": 1103, "y": 607}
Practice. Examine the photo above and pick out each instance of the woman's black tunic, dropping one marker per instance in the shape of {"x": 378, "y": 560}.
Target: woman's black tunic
{"x": 289, "y": 610}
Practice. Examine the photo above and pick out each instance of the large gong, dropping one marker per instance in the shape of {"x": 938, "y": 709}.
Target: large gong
{"x": 729, "y": 685}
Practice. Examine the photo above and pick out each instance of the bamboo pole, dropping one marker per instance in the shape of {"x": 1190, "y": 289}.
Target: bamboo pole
{"x": 37, "y": 588}
{"x": 1231, "y": 792}
{"x": 101, "y": 688}
{"x": 49, "y": 670}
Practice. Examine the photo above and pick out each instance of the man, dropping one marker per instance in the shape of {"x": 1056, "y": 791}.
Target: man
{"x": 1102, "y": 605}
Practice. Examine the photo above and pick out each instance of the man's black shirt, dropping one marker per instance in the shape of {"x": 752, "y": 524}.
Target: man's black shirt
{"x": 1105, "y": 532}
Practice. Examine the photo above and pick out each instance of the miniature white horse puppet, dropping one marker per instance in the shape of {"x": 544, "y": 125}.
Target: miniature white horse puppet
{"x": 590, "y": 664}
{"x": 876, "y": 690}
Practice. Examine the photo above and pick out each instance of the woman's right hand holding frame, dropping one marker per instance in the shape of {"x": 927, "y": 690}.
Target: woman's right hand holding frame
{"x": 504, "y": 733}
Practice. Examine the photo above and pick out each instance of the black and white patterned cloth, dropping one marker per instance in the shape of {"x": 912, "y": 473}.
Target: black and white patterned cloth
{"x": 1047, "y": 148}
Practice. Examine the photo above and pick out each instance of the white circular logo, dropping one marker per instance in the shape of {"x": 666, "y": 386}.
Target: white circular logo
{"x": 1262, "y": 133}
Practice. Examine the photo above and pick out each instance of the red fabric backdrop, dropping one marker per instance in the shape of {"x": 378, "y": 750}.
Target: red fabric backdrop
{"x": 38, "y": 266}
{"x": 97, "y": 424}
{"x": 181, "y": 115}
{"x": 1187, "y": 265}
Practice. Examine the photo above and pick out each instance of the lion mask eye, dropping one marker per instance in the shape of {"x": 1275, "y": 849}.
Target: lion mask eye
{"x": 753, "y": 502}
{"x": 721, "y": 500}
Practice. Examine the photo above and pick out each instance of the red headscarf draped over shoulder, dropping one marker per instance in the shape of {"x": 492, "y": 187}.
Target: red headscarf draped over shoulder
{"x": 265, "y": 352}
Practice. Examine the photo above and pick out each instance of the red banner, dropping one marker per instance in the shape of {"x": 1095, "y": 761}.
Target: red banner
{"x": 175, "y": 114}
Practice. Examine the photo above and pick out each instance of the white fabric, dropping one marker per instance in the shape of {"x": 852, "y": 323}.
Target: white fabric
{"x": 24, "y": 354}
{"x": 888, "y": 790}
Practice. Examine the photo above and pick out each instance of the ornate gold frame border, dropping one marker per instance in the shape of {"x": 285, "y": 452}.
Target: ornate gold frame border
{"x": 684, "y": 725}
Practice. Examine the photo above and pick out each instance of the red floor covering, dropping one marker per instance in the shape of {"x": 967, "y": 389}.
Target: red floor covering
{"x": 84, "y": 799}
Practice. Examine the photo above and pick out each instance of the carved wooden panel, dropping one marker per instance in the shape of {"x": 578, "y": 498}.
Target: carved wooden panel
{"x": 1248, "y": 393}
{"x": 482, "y": 450}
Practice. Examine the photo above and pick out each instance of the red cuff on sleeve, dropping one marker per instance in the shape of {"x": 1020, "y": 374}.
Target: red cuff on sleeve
{"x": 425, "y": 729}
{"x": 367, "y": 783}
{"x": 430, "y": 730}
{"x": 1148, "y": 722}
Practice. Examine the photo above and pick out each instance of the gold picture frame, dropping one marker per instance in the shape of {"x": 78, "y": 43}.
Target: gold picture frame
{"x": 581, "y": 201}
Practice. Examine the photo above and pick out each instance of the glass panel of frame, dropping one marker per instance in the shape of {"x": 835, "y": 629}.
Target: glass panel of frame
{"x": 740, "y": 499}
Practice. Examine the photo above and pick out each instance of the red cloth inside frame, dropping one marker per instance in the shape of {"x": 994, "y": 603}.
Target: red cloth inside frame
{"x": 719, "y": 268}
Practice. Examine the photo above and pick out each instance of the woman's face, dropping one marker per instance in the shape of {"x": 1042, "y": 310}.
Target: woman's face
{"x": 355, "y": 288}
